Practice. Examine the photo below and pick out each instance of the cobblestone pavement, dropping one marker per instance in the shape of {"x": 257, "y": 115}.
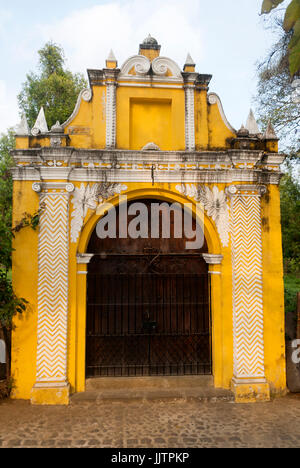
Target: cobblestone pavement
{"x": 158, "y": 425}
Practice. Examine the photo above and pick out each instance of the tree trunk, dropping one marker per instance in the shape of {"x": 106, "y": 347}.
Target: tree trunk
{"x": 7, "y": 339}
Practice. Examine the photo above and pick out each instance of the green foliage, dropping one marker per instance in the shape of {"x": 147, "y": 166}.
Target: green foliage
{"x": 7, "y": 143}
{"x": 291, "y": 288}
{"x": 269, "y": 5}
{"x": 28, "y": 220}
{"x": 274, "y": 94}
{"x": 291, "y": 24}
{"x": 290, "y": 221}
{"x": 10, "y": 304}
{"x": 55, "y": 88}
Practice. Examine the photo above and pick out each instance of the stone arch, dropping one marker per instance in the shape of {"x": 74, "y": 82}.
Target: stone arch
{"x": 214, "y": 252}
{"x": 210, "y": 232}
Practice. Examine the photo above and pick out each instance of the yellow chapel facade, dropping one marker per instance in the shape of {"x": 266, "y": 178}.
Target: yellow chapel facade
{"x": 151, "y": 132}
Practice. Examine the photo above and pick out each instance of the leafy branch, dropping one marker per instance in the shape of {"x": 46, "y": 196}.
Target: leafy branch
{"x": 291, "y": 24}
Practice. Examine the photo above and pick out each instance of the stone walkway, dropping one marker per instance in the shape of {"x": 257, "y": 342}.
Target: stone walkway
{"x": 152, "y": 424}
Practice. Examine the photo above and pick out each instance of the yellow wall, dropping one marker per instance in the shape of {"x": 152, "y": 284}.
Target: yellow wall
{"x": 158, "y": 118}
{"x": 25, "y": 283}
{"x": 143, "y": 115}
{"x": 25, "y": 275}
{"x": 274, "y": 333}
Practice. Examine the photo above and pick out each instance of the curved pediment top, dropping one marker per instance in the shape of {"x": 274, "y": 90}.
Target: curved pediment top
{"x": 140, "y": 63}
{"x": 161, "y": 66}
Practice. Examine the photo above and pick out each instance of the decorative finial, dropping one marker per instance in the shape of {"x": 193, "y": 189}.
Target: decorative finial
{"x": 189, "y": 60}
{"x": 243, "y": 132}
{"x": 23, "y": 129}
{"x": 251, "y": 124}
{"x": 57, "y": 128}
{"x": 40, "y": 125}
{"x": 111, "y": 57}
{"x": 270, "y": 133}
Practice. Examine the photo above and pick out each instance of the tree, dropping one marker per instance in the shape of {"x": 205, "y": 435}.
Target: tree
{"x": 290, "y": 220}
{"x": 291, "y": 25}
{"x": 7, "y": 143}
{"x": 54, "y": 88}
{"x": 274, "y": 99}
{"x": 10, "y": 304}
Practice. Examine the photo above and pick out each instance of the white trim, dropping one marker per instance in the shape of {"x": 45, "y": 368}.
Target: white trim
{"x": 172, "y": 176}
{"x": 213, "y": 98}
{"x": 190, "y": 118}
{"x": 140, "y": 63}
{"x": 146, "y": 85}
{"x": 84, "y": 259}
{"x": 86, "y": 94}
{"x": 110, "y": 115}
{"x": 213, "y": 259}
{"x": 161, "y": 65}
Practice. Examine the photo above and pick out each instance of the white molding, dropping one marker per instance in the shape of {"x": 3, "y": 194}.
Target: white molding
{"x": 84, "y": 259}
{"x": 213, "y": 259}
{"x": 214, "y": 202}
{"x": 140, "y": 63}
{"x": 86, "y": 94}
{"x": 149, "y": 85}
{"x": 111, "y": 115}
{"x": 190, "y": 118}
{"x": 89, "y": 197}
{"x": 161, "y": 65}
{"x": 185, "y": 176}
{"x": 213, "y": 98}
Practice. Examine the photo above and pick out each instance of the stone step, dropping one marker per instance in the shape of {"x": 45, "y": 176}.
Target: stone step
{"x": 141, "y": 394}
{"x": 160, "y": 382}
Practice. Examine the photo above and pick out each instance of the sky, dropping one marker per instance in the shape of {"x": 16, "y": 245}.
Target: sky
{"x": 226, "y": 38}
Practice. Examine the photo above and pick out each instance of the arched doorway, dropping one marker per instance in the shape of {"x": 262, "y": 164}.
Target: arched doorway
{"x": 147, "y": 306}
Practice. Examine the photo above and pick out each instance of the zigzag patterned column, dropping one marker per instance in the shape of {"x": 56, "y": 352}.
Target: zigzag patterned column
{"x": 248, "y": 317}
{"x": 51, "y": 378}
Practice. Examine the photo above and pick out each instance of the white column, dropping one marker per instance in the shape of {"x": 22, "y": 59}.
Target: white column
{"x": 111, "y": 114}
{"x": 248, "y": 313}
{"x": 53, "y": 266}
{"x": 190, "y": 117}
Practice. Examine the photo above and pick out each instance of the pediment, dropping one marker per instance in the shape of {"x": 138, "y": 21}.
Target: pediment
{"x": 139, "y": 65}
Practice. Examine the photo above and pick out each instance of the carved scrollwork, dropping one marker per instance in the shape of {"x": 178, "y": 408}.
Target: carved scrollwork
{"x": 215, "y": 204}
{"x": 140, "y": 63}
{"x": 89, "y": 197}
{"x": 161, "y": 65}
{"x": 87, "y": 95}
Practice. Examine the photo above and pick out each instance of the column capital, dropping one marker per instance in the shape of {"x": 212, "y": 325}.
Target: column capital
{"x": 213, "y": 259}
{"x": 84, "y": 259}
{"x": 53, "y": 187}
{"x": 248, "y": 190}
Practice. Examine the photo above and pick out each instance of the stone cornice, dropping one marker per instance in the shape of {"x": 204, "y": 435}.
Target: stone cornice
{"x": 78, "y": 153}
{"x": 66, "y": 163}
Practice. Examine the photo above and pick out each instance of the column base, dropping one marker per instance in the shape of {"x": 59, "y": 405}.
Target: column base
{"x": 50, "y": 394}
{"x": 250, "y": 391}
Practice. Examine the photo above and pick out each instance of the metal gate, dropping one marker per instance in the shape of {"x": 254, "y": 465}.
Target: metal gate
{"x": 147, "y": 323}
